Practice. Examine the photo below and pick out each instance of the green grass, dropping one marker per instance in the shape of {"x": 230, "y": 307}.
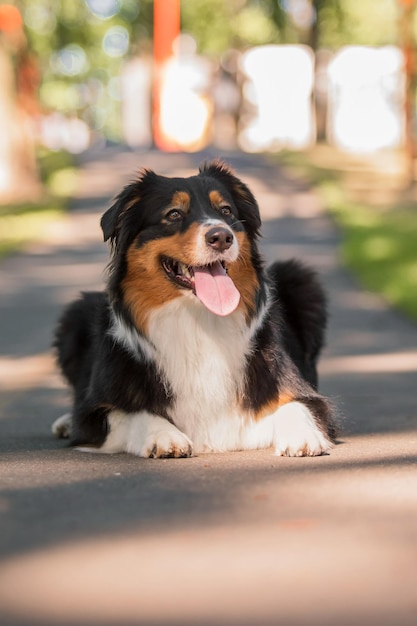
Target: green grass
{"x": 380, "y": 246}
{"x": 21, "y": 223}
{"x": 57, "y": 172}
{"x": 379, "y": 242}
{"x": 17, "y": 230}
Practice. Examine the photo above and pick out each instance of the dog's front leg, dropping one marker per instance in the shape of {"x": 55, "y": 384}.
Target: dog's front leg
{"x": 145, "y": 435}
{"x": 62, "y": 426}
{"x": 297, "y": 431}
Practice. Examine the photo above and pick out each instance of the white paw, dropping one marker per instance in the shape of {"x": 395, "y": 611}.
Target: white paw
{"x": 61, "y": 427}
{"x": 167, "y": 443}
{"x": 145, "y": 435}
{"x": 296, "y": 432}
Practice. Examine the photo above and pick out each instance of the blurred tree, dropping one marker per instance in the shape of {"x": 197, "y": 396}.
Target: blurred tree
{"x": 328, "y": 19}
{"x": 81, "y": 46}
{"x": 407, "y": 42}
{"x": 19, "y": 81}
{"x": 322, "y": 24}
{"x": 219, "y": 25}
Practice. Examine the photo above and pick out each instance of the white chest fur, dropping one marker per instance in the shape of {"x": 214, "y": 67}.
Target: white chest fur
{"x": 202, "y": 358}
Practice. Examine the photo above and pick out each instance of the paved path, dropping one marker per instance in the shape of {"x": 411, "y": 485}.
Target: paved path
{"x": 242, "y": 539}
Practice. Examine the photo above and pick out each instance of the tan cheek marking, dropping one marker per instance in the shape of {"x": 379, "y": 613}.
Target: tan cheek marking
{"x": 146, "y": 286}
{"x": 243, "y": 274}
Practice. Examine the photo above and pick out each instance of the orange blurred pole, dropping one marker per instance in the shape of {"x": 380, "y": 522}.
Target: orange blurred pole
{"x": 407, "y": 44}
{"x": 166, "y": 30}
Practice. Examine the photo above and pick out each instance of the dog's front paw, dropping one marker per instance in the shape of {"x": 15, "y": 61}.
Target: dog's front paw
{"x": 61, "y": 427}
{"x": 297, "y": 434}
{"x": 160, "y": 439}
{"x": 165, "y": 444}
{"x": 145, "y": 435}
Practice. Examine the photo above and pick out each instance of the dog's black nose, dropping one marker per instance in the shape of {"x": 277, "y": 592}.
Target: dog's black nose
{"x": 219, "y": 238}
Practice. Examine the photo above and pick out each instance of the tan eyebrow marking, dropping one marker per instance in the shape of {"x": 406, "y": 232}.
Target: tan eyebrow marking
{"x": 217, "y": 199}
{"x": 182, "y": 200}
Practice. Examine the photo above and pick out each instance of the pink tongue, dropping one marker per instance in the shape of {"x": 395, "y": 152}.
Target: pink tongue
{"x": 215, "y": 289}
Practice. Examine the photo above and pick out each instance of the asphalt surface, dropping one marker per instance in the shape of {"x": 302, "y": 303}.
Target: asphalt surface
{"x": 241, "y": 539}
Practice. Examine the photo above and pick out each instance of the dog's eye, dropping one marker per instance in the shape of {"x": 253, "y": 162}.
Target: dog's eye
{"x": 175, "y": 215}
{"x": 225, "y": 210}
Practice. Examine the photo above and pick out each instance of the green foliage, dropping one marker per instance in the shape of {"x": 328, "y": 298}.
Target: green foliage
{"x": 362, "y": 22}
{"x": 380, "y": 247}
{"x": 51, "y": 163}
{"x": 80, "y": 71}
{"x": 378, "y": 243}
{"x": 25, "y": 224}
{"x": 218, "y": 26}
{"x": 80, "y": 52}
{"x": 20, "y": 223}
{"x": 254, "y": 27}
{"x": 209, "y": 21}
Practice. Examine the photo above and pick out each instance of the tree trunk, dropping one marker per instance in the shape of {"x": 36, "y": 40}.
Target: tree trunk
{"x": 19, "y": 179}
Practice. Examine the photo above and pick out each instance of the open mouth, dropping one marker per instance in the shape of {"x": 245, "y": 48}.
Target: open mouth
{"x": 184, "y": 275}
{"x": 178, "y": 272}
{"x": 210, "y": 283}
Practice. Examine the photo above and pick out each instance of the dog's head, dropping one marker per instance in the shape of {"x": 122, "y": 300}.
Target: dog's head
{"x": 193, "y": 237}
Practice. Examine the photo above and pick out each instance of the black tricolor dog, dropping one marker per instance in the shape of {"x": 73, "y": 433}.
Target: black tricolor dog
{"x": 194, "y": 347}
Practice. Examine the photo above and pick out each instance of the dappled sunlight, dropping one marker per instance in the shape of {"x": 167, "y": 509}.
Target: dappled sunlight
{"x": 355, "y": 299}
{"x": 204, "y": 574}
{"x": 57, "y": 285}
{"x": 301, "y": 204}
{"x": 85, "y": 228}
{"x": 28, "y": 372}
{"x": 68, "y": 256}
{"x": 378, "y": 363}
{"x": 61, "y": 274}
{"x": 64, "y": 274}
{"x": 368, "y": 342}
{"x": 68, "y": 232}
{"x": 351, "y": 451}
{"x": 299, "y": 515}
{"x": 386, "y": 447}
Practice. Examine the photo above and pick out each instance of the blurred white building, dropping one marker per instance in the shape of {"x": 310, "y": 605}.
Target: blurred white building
{"x": 359, "y": 91}
{"x": 278, "y": 87}
{"x": 136, "y": 101}
{"x": 366, "y": 91}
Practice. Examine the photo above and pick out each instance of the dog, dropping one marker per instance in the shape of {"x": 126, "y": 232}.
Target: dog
{"x": 194, "y": 346}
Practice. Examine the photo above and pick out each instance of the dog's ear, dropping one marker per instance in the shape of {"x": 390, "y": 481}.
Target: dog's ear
{"x": 241, "y": 194}
{"x": 112, "y": 219}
